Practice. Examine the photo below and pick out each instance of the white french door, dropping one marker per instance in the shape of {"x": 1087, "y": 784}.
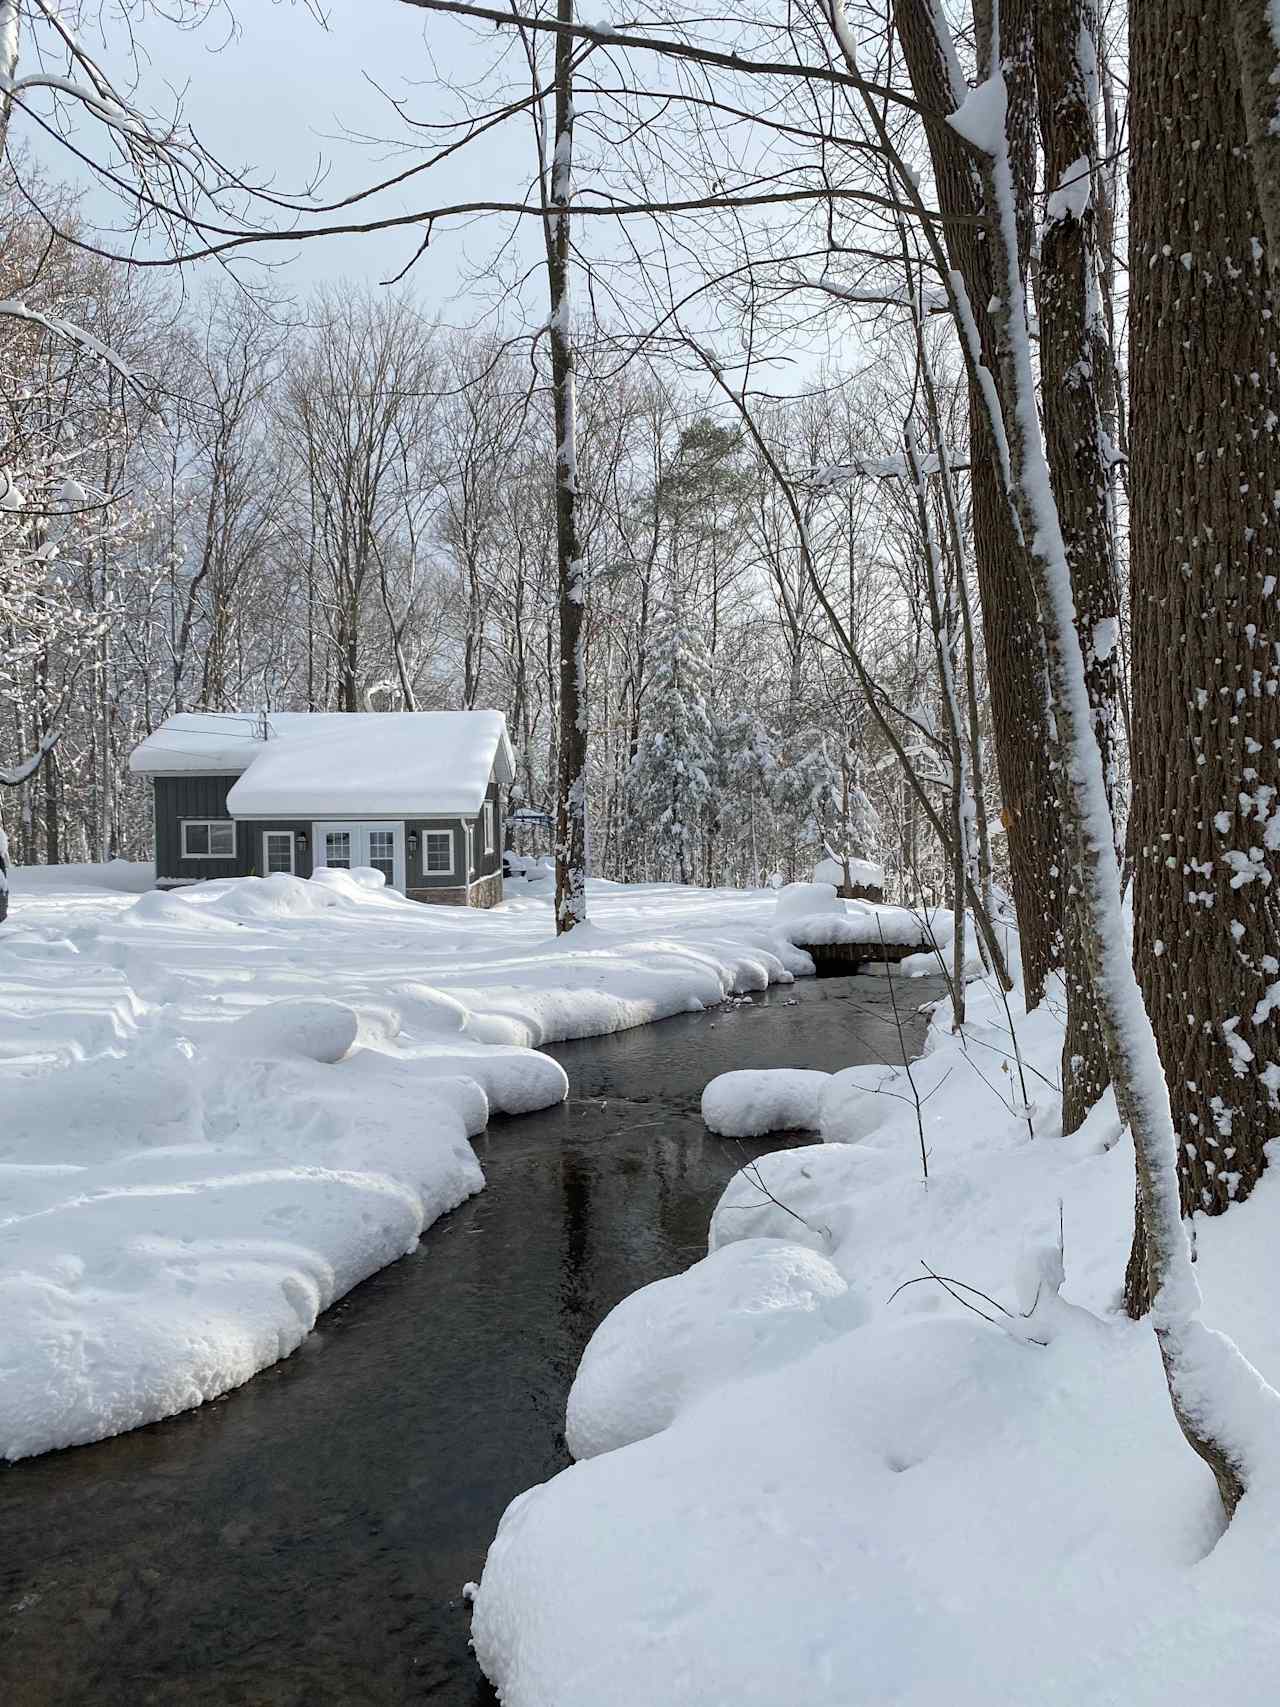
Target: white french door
{"x": 345, "y": 845}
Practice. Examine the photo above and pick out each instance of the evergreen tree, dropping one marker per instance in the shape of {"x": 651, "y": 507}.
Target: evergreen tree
{"x": 672, "y": 782}
{"x": 806, "y": 796}
{"x": 745, "y": 771}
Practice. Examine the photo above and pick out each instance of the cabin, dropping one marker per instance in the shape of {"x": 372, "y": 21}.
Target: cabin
{"x": 415, "y": 794}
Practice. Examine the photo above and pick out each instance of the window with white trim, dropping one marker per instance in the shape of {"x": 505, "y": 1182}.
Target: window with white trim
{"x": 208, "y": 838}
{"x": 489, "y": 843}
{"x": 437, "y": 852}
{"x": 277, "y": 850}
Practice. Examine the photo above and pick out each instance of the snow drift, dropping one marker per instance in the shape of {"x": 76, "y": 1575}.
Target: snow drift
{"x": 226, "y": 1105}
{"x": 793, "y": 1492}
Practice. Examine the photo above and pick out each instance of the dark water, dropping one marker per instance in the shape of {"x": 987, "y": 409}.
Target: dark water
{"x": 304, "y": 1541}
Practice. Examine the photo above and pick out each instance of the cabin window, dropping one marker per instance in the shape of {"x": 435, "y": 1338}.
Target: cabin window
{"x": 208, "y": 838}
{"x": 437, "y": 852}
{"x": 488, "y": 827}
{"x": 277, "y": 847}
{"x": 337, "y": 849}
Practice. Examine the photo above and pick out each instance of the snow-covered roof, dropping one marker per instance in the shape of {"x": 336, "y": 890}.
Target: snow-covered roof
{"x": 344, "y": 764}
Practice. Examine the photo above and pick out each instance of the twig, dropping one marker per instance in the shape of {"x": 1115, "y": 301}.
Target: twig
{"x": 906, "y": 1061}
{"x": 751, "y": 1169}
{"x": 949, "y": 1280}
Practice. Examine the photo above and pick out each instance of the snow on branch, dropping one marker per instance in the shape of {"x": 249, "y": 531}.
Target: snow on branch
{"x": 883, "y": 468}
{"x": 934, "y": 301}
{"x": 13, "y": 776}
{"x": 67, "y": 329}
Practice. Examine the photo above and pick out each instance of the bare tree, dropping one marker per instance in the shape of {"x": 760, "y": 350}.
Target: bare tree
{"x": 1073, "y": 372}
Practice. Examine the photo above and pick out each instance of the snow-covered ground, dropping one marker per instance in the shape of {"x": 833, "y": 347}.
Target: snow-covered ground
{"x": 225, "y": 1105}
{"x": 807, "y": 1473}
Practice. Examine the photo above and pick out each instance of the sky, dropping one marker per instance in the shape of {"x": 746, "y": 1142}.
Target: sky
{"x": 285, "y": 93}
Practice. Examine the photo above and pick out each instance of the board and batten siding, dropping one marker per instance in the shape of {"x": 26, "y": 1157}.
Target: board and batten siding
{"x": 179, "y": 797}
{"x": 485, "y": 864}
{"x": 182, "y": 797}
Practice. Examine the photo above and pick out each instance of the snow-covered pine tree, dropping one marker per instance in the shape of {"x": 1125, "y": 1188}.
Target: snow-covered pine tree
{"x": 806, "y": 798}
{"x": 745, "y": 771}
{"x": 862, "y": 832}
{"x": 672, "y": 782}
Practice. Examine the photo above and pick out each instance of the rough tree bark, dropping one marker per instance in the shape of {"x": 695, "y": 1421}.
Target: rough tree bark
{"x": 1010, "y": 624}
{"x": 1225, "y": 1410}
{"x": 571, "y": 790}
{"x": 1068, "y": 301}
{"x": 1205, "y": 557}
{"x": 1257, "y": 32}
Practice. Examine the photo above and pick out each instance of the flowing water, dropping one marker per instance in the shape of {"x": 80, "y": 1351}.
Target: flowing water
{"x": 303, "y": 1542}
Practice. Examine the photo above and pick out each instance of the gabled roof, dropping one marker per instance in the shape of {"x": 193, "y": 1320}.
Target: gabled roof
{"x": 335, "y": 763}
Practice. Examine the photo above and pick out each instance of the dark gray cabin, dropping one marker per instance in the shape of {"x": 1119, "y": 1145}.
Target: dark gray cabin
{"x": 415, "y": 795}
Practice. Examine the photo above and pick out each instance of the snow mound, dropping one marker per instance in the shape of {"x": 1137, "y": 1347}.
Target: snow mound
{"x": 916, "y": 1512}
{"x": 862, "y": 872}
{"x": 749, "y": 1102}
{"x": 279, "y": 896}
{"x": 797, "y": 1194}
{"x": 192, "y": 1223}
{"x": 806, "y": 900}
{"x": 128, "y": 877}
{"x": 223, "y": 1105}
{"x": 739, "y": 1311}
{"x": 919, "y": 1506}
{"x": 323, "y": 1031}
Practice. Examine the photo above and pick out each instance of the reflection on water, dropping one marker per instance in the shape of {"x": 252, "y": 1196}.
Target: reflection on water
{"x": 305, "y": 1539}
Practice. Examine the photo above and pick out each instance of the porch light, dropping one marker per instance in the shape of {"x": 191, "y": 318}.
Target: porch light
{"x": 301, "y": 840}
{"x": 413, "y": 841}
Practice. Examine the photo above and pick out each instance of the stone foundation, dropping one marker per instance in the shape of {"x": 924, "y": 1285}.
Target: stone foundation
{"x": 484, "y": 892}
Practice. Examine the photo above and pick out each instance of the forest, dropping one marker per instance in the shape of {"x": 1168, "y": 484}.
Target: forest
{"x": 859, "y": 439}
{"x": 339, "y": 505}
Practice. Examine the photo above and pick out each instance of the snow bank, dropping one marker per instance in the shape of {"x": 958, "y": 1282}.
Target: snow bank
{"x": 878, "y": 1496}
{"x": 129, "y": 876}
{"x": 813, "y": 915}
{"x": 807, "y": 900}
{"x": 224, "y": 1105}
{"x": 198, "y": 1207}
{"x": 744, "y": 1309}
{"x": 749, "y": 1102}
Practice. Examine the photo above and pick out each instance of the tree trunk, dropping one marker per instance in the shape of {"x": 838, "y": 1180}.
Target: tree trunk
{"x": 571, "y": 791}
{"x": 1257, "y": 31}
{"x": 1221, "y": 1404}
{"x": 1205, "y": 384}
{"x": 1068, "y": 305}
{"x": 1015, "y": 665}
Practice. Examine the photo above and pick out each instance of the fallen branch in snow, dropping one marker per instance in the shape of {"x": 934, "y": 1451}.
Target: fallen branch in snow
{"x": 947, "y": 1281}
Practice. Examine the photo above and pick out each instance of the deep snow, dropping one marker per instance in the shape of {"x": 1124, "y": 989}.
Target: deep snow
{"x": 226, "y": 1105}
{"x": 808, "y": 1473}
{"x": 333, "y": 764}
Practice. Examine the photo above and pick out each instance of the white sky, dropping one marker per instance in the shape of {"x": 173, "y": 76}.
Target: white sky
{"x": 285, "y": 93}
{"x": 278, "y": 98}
